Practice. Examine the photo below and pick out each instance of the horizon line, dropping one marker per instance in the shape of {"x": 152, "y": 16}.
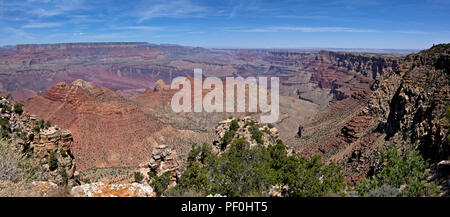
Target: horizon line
{"x": 222, "y": 47}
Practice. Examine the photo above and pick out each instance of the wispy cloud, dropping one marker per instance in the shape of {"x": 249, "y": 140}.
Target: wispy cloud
{"x": 315, "y": 17}
{"x": 55, "y": 8}
{"x": 235, "y": 10}
{"x": 412, "y": 32}
{"x": 46, "y": 13}
{"x": 41, "y": 25}
{"x": 175, "y": 9}
{"x": 149, "y": 28}
{"x": 77, "y": 34}
{"x": 303, "y": 29}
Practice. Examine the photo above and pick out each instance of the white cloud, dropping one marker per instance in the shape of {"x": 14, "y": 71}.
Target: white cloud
{"x": 413, "y": 32}
{"x": 41, "y": 25}
{"x": 60, "y": 7}
{"x": 150, "y": 28}
{"x": 78, "y": 34}
{"x": 46, "y": 13}
{"x": 303, "y": 29}
{"x": 177, "y": 8}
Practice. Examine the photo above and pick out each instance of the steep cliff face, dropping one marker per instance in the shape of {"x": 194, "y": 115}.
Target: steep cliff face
{"x": 349, "y": 73}
{"x": 412, "y": 102}
{"x": 405, "y": 107}
{"x": 365, "y": 64}
{"x": 326, "y": 77}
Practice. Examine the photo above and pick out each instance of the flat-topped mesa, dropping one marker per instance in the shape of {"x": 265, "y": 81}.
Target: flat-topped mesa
{"x": 40, "y": 47}
{"x": 26, "y": 55}
{"x": 369, "y": 65}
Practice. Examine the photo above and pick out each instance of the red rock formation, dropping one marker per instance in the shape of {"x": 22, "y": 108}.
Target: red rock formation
{"x": 108, "y": 130}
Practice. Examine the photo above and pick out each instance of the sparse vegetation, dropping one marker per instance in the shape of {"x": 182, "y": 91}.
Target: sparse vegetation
{"x": 447, "y": 123}
{"x": 5, "y": 128}
{"x": 7, "y": 108}
{"x": 400, "y": 175}
{"x": 52, "y": 161}
{"x": 18, "y": 108}
{"x": 63, "y": 153}
{"x": 64, "y": 176}
{"x": 47, "y": 125}
{"x": 160, "y": 183}
{"x": 227, "y": 138}
{"x": 14, "y": 166}
{"x": 311, "y": 178}
{"x": 234, "y": 125}
{"x": 16, "y": 189}
{"x": 256, "y": 134}
{"x": 41, "y": 124}
{"x": 251, "y": 171}
{"x": 138, "y": 177}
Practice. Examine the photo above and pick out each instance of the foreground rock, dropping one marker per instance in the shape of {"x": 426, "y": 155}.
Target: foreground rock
{"x": 165, "y": 160}
{"x": 247, "y": 129}
{"x": 49, "y": 146}
{"x": 52, "y": 148}
{"x": 100, "y": 189}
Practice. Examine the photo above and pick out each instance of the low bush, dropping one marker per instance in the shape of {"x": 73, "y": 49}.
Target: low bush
{"x": 252, "y": 171}
{"x": 138, "y": 177}
{"x": 15, "y": 166}
{"x": 18, "y": 108}
{"x": 160, "y": 183}
{"x": 52, "y": 161}
{"x": 406, "y": 173}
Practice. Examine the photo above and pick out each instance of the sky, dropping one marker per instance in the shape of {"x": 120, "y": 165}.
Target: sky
{"x": 394, "y": 24}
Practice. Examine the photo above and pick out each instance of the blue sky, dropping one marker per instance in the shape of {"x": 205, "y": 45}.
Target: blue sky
{"x": 230, "y": 24}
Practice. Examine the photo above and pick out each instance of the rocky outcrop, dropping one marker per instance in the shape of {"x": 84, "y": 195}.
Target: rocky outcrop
{"x": 412, "y": 103}
{"x": 48, "y": 145}
{"x": 100, "y": 189}
{"x": 408, "y": 109}
{"x": 248, "y": 129}
{"x": 165, "y": 160}
{"x": 52, "y": 148}
{"x": 160, "y": 85}
{"x": 405, "y": 107}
